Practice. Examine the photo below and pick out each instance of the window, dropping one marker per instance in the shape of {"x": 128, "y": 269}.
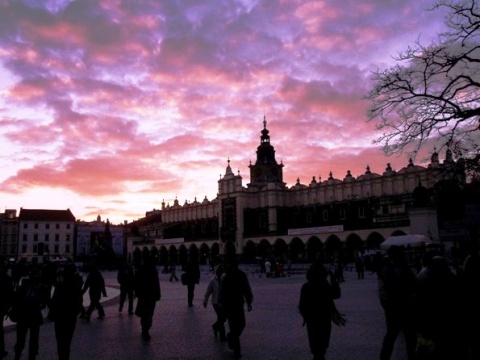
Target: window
{"x": 204, "y": 228}
{"x": 47, "y": 226}
{"x": 57, "y": 237}
{"x": 24, "y": 248}
{"x": 68, "y": 226}
{"x": 57, "y": 226}
{"x": 47, "y": 237}
{"x": 309, "y": 217}
{"x": 325, "y": 215}
{"x": 214, "y": 226}
{"x": 25, "y": 226}
{"x": 56, "y": 248}
{"x": 67, "y": 237}
{"x": 67, "y": 248}
{"x": 342, "y": 214}
{"x": 35, "y": 248}
{"x": 35, "y": 226}
{"x": 35, "y": 237}
{"x": 25, "y": 237}
{"x": 361, "y": 212}
{"x": 385, "y": 209}
{"x": 262, "y": 221}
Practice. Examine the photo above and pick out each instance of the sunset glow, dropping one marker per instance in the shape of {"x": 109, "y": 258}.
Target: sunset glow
{"x": 110, "y": 107}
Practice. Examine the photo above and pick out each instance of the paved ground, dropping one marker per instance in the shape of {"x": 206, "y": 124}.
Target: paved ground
{"x": 274, "y": 327}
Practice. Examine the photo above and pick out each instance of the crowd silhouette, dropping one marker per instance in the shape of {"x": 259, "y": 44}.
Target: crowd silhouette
{"x": 434, "y": 305}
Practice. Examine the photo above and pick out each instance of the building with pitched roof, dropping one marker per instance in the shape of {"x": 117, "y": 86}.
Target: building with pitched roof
{"x": 45, "y": 234}
{"x": 304, "y": 221}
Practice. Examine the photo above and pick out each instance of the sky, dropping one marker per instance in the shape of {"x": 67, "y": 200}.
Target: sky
{"x": 111, "y": 107}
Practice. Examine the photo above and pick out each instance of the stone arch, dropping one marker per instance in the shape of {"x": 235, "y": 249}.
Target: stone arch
{"x": 163, "y": 255}
{"x": 230, "y": 248}
{"x": 182, "y": 255}
{"x": 155, "y": 254}
{"x": 173, "y": 254}
{"x": 398, "y": 233}
{"x": 214, "y": 253}
{"x": 374, "y": 240}
{"x": 353, "y": 247}
{"x": 264, "y": 249}
{"x": 280, "y": 249}
{"x": 250, "y": 252}
{"x": 297, "y": 250}
{"x": 315, "y": 249}
{"x": 333, "y": 248}
{"x": 193, "y": 252}
{"x": 204, "y": 254}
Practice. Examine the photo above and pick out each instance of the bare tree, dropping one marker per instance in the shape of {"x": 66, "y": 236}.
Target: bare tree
{"x": 433, "y": 93}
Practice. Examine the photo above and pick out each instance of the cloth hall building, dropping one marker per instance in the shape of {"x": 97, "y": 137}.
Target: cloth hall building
{"x": 301, "y": 222}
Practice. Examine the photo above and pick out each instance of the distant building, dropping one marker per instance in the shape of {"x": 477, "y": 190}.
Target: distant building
{"x": 323, "y": 218}
{"x": 45, "y": 234}
{"x": 94, "y": 235}
{"x": 8, "y": 234}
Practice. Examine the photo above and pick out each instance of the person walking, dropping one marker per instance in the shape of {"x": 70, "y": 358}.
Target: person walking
{"x": 470, "y": 298}
{"x": 6, "y": 294}
{"x": 173, "y": 272}
{"x": 397, "y": 291}
{"x": 213, "y": 291}
{"x": 126, "y": 279}
{"x": 317, "y": 308}
{"x": 147, "y": 290}
{"x": 192, "y": 272}
{"x": 360, "y": 268}
{"x": 95, "y": 284}
{"x": 29, "y": 299}
{"x": 235, "y": 291}
{"x": 441, "y": 326}
{"x": 64, "y": 308}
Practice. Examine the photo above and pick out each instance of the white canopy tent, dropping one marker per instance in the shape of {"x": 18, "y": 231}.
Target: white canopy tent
{"x": 406, "y": 240}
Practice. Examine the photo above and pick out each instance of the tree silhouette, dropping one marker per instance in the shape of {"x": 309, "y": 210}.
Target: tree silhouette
{"x": 433, "y": 91}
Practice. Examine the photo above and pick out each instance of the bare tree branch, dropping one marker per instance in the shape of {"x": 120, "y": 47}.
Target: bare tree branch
{"x": 434, "y": 91}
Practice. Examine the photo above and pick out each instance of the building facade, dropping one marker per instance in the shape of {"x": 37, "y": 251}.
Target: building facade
{"x": 266, "y": 217}
{"x": 8, "y": 234}
{"x": 45, "y": 234}
{"x": 93, "y": 235}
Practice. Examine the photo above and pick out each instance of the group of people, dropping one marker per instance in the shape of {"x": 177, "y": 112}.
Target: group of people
{"x": 229, "y": 290}
{"x": 437, "y": 310}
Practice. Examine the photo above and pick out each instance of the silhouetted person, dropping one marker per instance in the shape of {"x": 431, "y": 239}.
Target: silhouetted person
{"x": 470, "y": 300}
{"x": 235, "y": 290}
{"x": 126, "y": 279}
{"x": 66, "y": 304}
{"x": 30, "y": 298}
{"x": 192, "y": 271}
{"x": 439, "y": 313}
{"x": 6, "y": 293}
{"x": 173, "y": 272}
{"x": 360, "y": 268}
{"x": 95, "y": 284}
{"x": 338, "y": 270}
{"x": 213, "y": 290}
{"x": 317, "y": 306}
{"x": 397, "y": 288}
{"x": 147, "y": 290}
